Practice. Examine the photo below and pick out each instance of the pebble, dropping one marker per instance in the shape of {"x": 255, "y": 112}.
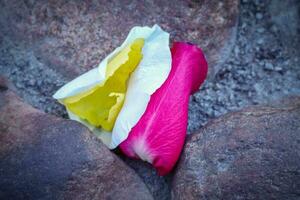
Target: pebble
{"x": 259, "y": 16}
{"x": 260, "y": 30}
{"x": 274, "y": 28}
{"x": 260, "y": 41}
{"x": 278, "y": 69}
{"x": 269, "y": 66}
{"x": 31, "y": 82}
{"x": 236, "y": 50}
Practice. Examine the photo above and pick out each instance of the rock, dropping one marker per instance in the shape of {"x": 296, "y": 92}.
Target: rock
{"x": 159, "y": 186}
{"x": 260, "y": 41}
{"x": 250, "y": 154}
{"x": 259, "y": 16}
{"x": 260, "y": 30}
{"x": 72, "y": 37}
{"x": 269, "y": 66}
{"x": 44, "y": 157}
{"x": 278, "y": 69}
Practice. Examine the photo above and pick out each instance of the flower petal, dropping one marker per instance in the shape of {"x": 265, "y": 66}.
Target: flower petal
{"x": 101, "y": 104}
{"x": 149, "y": 75}
{"x": 159, "y": 135}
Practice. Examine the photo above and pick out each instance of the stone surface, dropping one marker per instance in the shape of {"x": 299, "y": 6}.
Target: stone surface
{"x": 72, "y": 37}
{"x": 159, "y": 186}
{"x": 286, "y": 16}
{"x": 44, "y": 157}
{"x": 251, "y": 154}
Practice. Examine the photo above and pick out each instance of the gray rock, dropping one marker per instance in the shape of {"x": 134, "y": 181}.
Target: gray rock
{"x": 278, "y": 68}
{"x": 260, "y": 41}
{"x": 44, "y": 157}
{"x": 259, "y": 16}
{"x": 269, "y": 66}
{"x": 260, "y": 30}
{"x": 286, "y": 16}
{"x": 250, "y": 154}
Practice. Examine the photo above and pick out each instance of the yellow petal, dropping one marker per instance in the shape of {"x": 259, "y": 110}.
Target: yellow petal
{"x": 100, "y": 105}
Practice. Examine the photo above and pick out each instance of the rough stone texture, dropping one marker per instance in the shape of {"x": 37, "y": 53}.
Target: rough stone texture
{"x": 72, "y": 36}
{"x": 43, "y": 157}
{"x": 159, "y": 186}
{"x": 286, "y": 16}
{"x": 251, "y": 154}
{"x": 264, "y": 64}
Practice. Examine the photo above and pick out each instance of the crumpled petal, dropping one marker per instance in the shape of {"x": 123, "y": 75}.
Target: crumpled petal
{"x": 149, "y": 75}
{"x": 159, "y": 135}
{"x": 101, "y": 105}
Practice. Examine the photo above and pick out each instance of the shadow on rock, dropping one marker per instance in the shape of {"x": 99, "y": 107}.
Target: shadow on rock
{"x": 251, "y": 154}
{"x": 44, "y": 157}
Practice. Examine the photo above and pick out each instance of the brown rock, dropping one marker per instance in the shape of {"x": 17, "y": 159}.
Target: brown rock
{"x": 73, "y": 36}
{"x": 251, "y": 154}
{"x": 44, "y": 157}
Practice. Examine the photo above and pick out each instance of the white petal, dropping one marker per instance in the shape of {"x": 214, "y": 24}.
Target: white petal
{"x": 95, "y": 76}
{"x": 149, "y": 75}
{"x": 79, "y": 84}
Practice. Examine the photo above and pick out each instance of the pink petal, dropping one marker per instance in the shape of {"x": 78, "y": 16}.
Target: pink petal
{"x": 159, "y": 135}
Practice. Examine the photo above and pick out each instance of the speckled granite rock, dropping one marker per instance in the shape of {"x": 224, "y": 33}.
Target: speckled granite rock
{"x": 44, "y": 157}
{"x": 251, "y": 154}
{"x": 72, "y": 37}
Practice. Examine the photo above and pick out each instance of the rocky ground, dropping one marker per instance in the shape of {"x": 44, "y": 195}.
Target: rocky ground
{"x": 262, "y": 65}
